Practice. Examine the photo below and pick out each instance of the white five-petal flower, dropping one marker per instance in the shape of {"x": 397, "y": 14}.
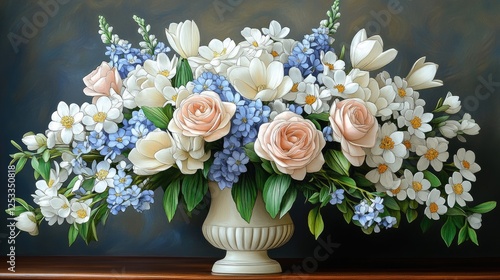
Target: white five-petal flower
{"x": 458, "y": 190}
{"x": 418, "y": 187}
{"x": 416, "y": 121}
{"x": 104, "y": 115}
{"x": 435, "y": 152}
{"x": 465, "y": 161}
{"x": 80, "y": 210}
{"x": 275, "y": 31}
{"x": 103, "y": 173}
{"x": 314, "y": 99}
{"x": 389, "y": 143}
{"x": 66, "y": 121}
{"x": 435, "y": 205}
{"x": 161, "y": 66}
{"x": 340, "y": 84}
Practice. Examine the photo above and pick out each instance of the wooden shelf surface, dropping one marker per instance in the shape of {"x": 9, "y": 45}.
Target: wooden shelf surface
{"x": 200, "y": 268}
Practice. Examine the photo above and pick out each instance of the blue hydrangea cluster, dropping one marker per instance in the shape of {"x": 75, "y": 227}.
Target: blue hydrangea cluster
{"x": 306, "y": 55}
{"x": 369, "y": 214}
{"x": 125, "y": 58}
{"x": 124, "y": 194}
{"x": 337, "y": 197}
{"x": 250, "y": 114}
{"x": 111, "y": 145}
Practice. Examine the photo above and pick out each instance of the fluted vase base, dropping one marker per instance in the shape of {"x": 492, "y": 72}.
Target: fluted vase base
{"x": 246, "y": 262}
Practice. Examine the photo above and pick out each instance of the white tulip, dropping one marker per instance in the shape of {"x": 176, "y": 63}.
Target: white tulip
{"x": 34, "y": 142}
{"x": 367, "y": 53}
{"x": 184, "y": 38}
{"x": 26, "y": 221}
{"x": 422, "y": 74}
{"x": 453, "y": 102}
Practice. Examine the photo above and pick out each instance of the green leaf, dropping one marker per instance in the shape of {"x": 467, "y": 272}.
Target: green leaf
{"x": 484, "y": 207}
{"x": 20, "y": 164}
{"x": 473, "y": 235}
{"x": 347, "y": 181}
{"x": 462, "y": 235}
{"x": 44, "y": 169}
{"x": 314, "y": 198}
{"x": 425, "y": 224}
{"x": 72, "y": 234}
{"x": 17, "y": 146}
{"x": 455, "y": 212}
{"x": 391, "y": 203}
{"x": 288, "y": 200}
{"x": 411, "y": 215}
{"x": 171, "y": 198}
{"x": 315, "y": 222}
{"x": 83, "y": 230}
{"x": 15, "y": 211}
{"x": 194, "y": 188}
{"x": 250, "y": 152}
{"x": 413, "y": 204}
{"x": 274, "y": 190}
{"x": 433, "y": 179}
{"x": 342, "y": 206}
{"x": 72, "y": 182}
{"x": 157, "y": 115}
{"x": 244, "y": 193}
{"x": 184, "y": 73}
{"x": 319, "y": 116}
{"x": 440, "y": 119}
{"x": 403, "y": 205}
{"x": 88, "y": 184}
{"x": 337, "y": 162}
{"x": 348, "y": 215}
{"x": 448, "y": 232}
{"x": 361, "y": 180}
{"x": 324, "y": 196}
{"x": 24, "y": 204}
{"x": 260, "y": 177}
{"x": 266, "y": 165}
{"x": 46, "y": 155}
{"x": 93, "y": 232}
{"x": 206, "y": 166}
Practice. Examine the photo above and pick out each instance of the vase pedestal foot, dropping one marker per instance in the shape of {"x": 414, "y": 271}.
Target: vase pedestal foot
{"x": 246, "y": 262}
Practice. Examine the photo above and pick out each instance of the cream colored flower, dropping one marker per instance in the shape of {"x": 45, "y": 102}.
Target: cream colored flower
{"x": 474, "y": 220}
{"x": 203, "y": 115}
{"x": 259, "y": 80}
{"x": 255, "y": 43}
{"x": 104, "y": 115}
{"x": 292, "y": 143}
{"x": 314, "y": 99}
{"x": 26, "y": 221}
{"x": 275, "y": 31}
{"x": 153, "y": 154}
{"x": 155, "y": 92}
{"x": 340, "y": 84}
{"x": 453, "y": 103}
{"x": 66, "y": 121}
{"x": 458, "y": 190}
{"x": 189, "y": 153}
{"x": 435, "y": 152}
{"x": 34, "y": 142}
{"x": 389, "y": 143}
{"x": 184, "y": 38}
{"x": 421, "y": 75}
{"x": 331, "y": 62}
{"x": 161, "y": 66}
{"x": 102, "y": 82}
{"x": 366, "y": 53}
{"x": 417, "y": 121}
{"x": 217, "y": 57}
{"x": 418, "y": 186}
{"x": 383, "y": 172}
{"x": 80, "y": 210}
{"x": 465, "y": 161}
{"x": 354, "y": 127}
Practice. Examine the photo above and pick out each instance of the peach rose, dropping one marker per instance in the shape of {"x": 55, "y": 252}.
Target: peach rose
{"x": 292, "y": 143}
{"x": 203, "y": 115}
{"x": 354, "y": 127}
{"x": 154, "y": 153}
{"x": 103, "y": 81}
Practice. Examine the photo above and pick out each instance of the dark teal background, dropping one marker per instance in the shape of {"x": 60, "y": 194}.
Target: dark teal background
{"x": 461, "y": 36}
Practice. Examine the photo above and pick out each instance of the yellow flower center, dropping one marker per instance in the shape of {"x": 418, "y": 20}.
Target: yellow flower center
{"x": 458, "y": 189}
{"x": 119, "y": 139}
{"x": 67, "y": 121}
{"x": 382, "y": 168}
{"x": 401, "y": 92}
{"x": 330, "y": 66}
{"x": 274, "y": 53}
{"x": 431, "y": 154}
{"x": 417, "y": 186}
{"x": 50, "y": 183}
{"x": 261, "y": 87}
{"x": 310, "y": 99}
{"x": 466, "y": 164}
{"x": 407, "y": 144}
{"x": 99, "y": 117}
{"x": 122, "y": 180}
{"x": 295, "y": 87}
{"x": 396, "y": 191}
{"x": 416, "y": 122}
{"x": 223, "y": 52}
{"x": 433, "y": 207}
{"x": 164, "y": 73}
{"x": 81, "y": 213}
{"x": 101, "y": 174}
{"x": 387, "y": 143}
{"x": 65, "y": 206}
{"x": 255, "y": 44}
{"x": 174, "y": 98}
{"x": 340, "y": 88}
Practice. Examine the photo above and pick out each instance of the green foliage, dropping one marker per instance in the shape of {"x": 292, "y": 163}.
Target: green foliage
{"x": 183, "y": 74}
{"x": 244, "y": 194}
{"x": 274, "y": 191}
{"x": 171, "y": 198}
{"x": 160, "y": 117}
{"x": 194, "y": 188}
{"x": 337, "y": 162}
{"x": 315, "y": 221}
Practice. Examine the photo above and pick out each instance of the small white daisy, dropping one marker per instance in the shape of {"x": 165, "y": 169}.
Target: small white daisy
{"x": 435, "y": 152}
{"x": 161, "y": 66}
{"x": 314, "y": 99}
{"x": 299, "y": 83}
{"x": 66, "y": 121}
{"x": 389, "y": 143}
{"x": 331, "y": 62}
{"x": 275, "y": 31}
{"x": 80, "y": 210}
{"x": 416, "y": 121}
{"x": 339, "y": 83}
{"x": 103, "y": 115}
{"x": 411, "y": 143}
{"x": 383, "y": 171}
{"x": 435, "y": 205}
{"x": 103, "y": 175}
{"x": 418, "y": 187}
{"x": 400, "y": 192}
{"x": 457, "y": 190}
{"x": 465, "y": 162}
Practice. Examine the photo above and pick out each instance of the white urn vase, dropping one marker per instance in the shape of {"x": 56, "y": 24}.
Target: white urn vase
{"x": 246, "y": 244}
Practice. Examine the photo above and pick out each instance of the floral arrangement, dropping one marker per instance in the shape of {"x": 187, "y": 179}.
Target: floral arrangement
{"x": 268, "y": 114}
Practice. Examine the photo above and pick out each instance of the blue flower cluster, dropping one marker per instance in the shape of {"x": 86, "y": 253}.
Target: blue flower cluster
{"x": 123, "y": 194}
{"x": 368, "y": 214}
{"x": 111, "y": 145}
{"x": 125, "y": 58}
{"x": 306, "y": 55}
{"x": 250, "y": 114}
{"x": 337, "y": 197}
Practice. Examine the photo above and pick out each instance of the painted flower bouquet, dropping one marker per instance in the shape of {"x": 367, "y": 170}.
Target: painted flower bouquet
{"x": 268, "y": 114}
